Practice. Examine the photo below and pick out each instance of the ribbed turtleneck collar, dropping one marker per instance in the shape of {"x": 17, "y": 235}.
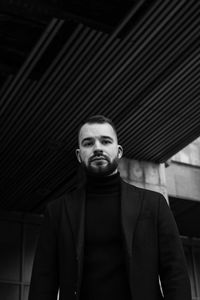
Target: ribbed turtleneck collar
{"x": 102, "y": 185}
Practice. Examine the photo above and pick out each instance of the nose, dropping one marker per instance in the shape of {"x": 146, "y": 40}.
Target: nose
{"x": 97, "y": 149}
{"x": 97, "y": 146}
{"x": 98, "y": 152}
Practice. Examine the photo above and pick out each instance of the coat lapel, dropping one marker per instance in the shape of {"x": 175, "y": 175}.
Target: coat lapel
{"x": 76, "y": 211}
{"x": 131, "y": 203}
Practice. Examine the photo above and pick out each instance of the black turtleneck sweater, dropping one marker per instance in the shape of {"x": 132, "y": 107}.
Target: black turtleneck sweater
{"x": 104, "y": 272}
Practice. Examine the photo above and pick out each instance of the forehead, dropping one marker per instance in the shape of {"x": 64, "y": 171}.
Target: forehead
{"x": 97, "y": 130}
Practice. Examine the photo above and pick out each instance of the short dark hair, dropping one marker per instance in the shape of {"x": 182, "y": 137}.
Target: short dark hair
{"x": 99, "y": 119}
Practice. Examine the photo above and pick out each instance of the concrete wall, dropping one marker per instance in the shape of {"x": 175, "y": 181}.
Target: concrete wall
{"x": 190, "y": 154}
{"x": 144, "y": 174}
{"x": 183, "y": 181}
{"x": 183, "y": 173}
{"x": 180, "y": 179}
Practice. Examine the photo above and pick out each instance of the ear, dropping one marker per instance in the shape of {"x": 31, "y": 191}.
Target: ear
{"x": 78, "y": 155}
{"x": 120, "y": 151}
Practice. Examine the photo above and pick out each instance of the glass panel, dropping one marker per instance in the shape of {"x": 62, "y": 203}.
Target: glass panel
{"x": 188, "y": 255}
{"x": 25, "y": 293}
{"x": 31, "y": 233}
{"x": 9, "y": 292}
{"x": 196, "y": 253}
{"x": 10, "y": 235}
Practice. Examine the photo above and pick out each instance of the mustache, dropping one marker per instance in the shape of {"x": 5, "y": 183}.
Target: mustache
{"x": 98, "y": 156}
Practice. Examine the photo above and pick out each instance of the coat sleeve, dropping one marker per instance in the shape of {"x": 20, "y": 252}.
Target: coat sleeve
{"x": 172, "y": 265}
{"x": 44, "y": 280}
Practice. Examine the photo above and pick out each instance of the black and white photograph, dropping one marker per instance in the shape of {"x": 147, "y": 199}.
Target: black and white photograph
{"x": 99, "y": 150}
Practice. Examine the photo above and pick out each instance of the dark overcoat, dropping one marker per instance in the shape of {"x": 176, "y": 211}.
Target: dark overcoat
{"x": 151, "y": 239}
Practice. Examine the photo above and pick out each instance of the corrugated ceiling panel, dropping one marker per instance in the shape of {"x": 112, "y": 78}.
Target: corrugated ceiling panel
{"x": 144, "y": 75}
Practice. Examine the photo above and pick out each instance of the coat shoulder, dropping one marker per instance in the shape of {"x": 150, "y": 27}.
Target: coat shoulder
{"x": 150, "y": 198}
{"x": 143, "y": 191}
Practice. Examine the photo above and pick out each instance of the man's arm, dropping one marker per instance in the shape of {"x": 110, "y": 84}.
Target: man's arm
{"x": 44, "y": 281}
{"x": 172, "y": 264}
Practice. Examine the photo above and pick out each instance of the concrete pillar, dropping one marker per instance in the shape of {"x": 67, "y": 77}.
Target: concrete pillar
{"x": 144, "y": 174}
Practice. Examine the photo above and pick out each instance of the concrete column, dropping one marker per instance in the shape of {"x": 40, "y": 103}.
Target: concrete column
{"x": 144, "y": 174}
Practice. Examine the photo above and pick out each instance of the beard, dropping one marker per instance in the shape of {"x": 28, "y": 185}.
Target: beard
{"x": 99, "y": 169}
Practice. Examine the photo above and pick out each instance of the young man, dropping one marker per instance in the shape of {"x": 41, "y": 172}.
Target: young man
{"x": 108, "y": 240}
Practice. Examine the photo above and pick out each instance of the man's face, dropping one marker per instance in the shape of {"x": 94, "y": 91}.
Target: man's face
{"x": 98, "y": 151}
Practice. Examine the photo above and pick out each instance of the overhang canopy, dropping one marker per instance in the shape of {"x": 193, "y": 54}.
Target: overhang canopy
{"x": 137, "y": 62}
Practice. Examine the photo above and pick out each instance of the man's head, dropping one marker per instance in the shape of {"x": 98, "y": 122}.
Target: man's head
{"x": 98, "y": 150}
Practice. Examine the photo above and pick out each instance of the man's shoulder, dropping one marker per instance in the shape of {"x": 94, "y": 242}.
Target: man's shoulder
{"x": 144, "y": 194}
{"x": 150, "y": 200}
{"x": 141, "y": 190}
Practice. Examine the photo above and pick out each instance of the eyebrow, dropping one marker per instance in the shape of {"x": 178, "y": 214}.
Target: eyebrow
{"x": 101, "y": 137}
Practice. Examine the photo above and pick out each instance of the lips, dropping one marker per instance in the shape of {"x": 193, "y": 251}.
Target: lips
{"x": 98, "y": 158}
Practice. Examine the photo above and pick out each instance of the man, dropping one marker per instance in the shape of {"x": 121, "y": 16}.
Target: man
{"x": 108, "y": 239}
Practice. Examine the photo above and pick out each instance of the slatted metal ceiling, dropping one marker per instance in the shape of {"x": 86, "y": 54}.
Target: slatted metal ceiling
{"x": 144, "y": 74}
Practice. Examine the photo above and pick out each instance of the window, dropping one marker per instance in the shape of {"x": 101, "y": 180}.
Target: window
{"x": 18, "y": 240}
{"x": 192, "y": 253}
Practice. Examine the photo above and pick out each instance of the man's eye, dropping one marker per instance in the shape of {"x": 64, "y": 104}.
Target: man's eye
{"x": 87, "y": 144}
{"x": 105, "y": 142}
